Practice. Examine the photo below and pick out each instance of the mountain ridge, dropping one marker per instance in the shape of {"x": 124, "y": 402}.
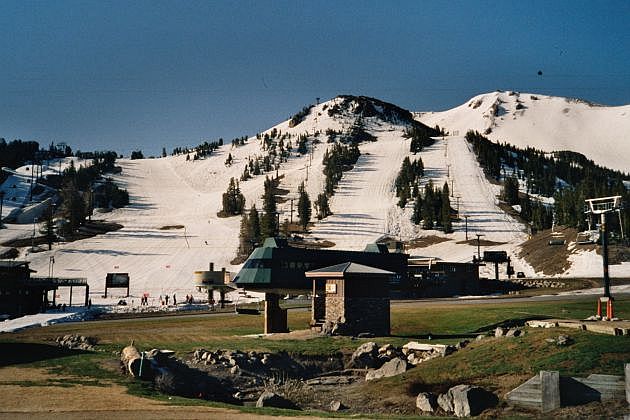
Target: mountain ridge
{"x": 549, "y": 123}
{"x": 176, "y": 191}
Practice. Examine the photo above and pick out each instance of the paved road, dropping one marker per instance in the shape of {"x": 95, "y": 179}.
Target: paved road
{"x": 499, "y": 300}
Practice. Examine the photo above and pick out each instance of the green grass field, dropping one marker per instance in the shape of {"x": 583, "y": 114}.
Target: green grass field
{"x": 498, "y": 364}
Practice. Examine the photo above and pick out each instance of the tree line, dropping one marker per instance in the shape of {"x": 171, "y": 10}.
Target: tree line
{"x": 407, "y": 181}
{"x": 568, "y": 177}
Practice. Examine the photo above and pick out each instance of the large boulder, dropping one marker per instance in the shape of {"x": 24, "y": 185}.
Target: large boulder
{"x": 445, "y": 401}
{"x": 336, "y": 405}
{"x": 426, "y": 402}
{"x": 564, "y": 340}
{"x": 469, "y": 400}
{"x": 271, "y": 399}
{"x": 365, "y": 356}
{"x": 392, "y": 368}
{"x": 514, "y": 332}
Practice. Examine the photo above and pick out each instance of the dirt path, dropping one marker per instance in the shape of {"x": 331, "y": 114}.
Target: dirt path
{"x": 37, "y": 394}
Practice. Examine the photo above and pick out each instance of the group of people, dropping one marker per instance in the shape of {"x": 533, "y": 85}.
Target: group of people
{"x": 164, "y": 299}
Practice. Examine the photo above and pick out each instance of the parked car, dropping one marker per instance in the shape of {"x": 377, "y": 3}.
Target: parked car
{"x": 520, "y": 275}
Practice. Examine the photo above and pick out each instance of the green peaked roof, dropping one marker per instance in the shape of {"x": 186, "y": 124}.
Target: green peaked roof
{"x": 350, "y": 268}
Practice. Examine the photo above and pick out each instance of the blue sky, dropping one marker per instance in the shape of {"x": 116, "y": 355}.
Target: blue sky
{"x": 144, "y": 75}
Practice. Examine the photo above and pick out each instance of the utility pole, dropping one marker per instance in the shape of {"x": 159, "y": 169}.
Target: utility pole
{"x": 51, "y": 266}
{"x": 603, "y": 206}
{"x": 448, "y": 170}
{"x": 479, "y": 235}
{"x": 32, "y": 170}
{"x": 458, "y": 197}
{"x": 33, "y": 238}
{"x": 90, "y": 203}
{"x": 466, "y": 218}
{"x": 1, "y": 203}
{"x": 291, "y": 220}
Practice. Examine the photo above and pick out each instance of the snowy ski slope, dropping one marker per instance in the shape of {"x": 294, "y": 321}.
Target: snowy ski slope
{"x": 186, "y": 196}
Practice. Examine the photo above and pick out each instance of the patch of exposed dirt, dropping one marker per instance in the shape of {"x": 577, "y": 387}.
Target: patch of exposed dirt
{"x": 11, "y": 374}
{"x": 171, "y": 227}
{"x": 617, "y": 254}
{"x": 424, "y": 242}
{"x": 88, "y": 230}
{"x": 299, "y": 335}
{"x": 9, "y": 253}
{"x": 549, "y": 259}
{"x": 77, "y": 401}
{"x": 554, "y": 259}
{"x": 310, "y": 244}
{"x": 482, "y": 242}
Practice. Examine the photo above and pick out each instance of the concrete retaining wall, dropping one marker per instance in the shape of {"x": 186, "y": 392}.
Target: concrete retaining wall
{"x": 548, "y": 390}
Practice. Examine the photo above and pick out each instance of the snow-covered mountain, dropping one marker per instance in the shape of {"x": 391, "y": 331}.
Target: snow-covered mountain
{"x": 171, "y": 228}
{"x": 601, "y": 133}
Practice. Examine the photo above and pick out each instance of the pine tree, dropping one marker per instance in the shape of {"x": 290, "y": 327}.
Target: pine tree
{"x": 510, "y": 190}
{"x": 416, "y": 217}
{"x": 322, "y": 207}
{"x": 254, "y": 225}
{"x": 73, "y": 206}
{"x": 233, "y": 200}
{"x": 304, "y": 207}
{"x": 446, "y": 211}
{"x": 268, "y": 222}
{"x": 415, "y": 191}
{"x": 427, "y": 206}
{"x": 404, "y": 196}
{"x": 245, "y": 240}
{"x": 246, "y": 174}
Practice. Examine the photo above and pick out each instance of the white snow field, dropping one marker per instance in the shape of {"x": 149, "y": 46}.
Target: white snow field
{"x": 171, "y": 227}
{"x": 549, "y": 123}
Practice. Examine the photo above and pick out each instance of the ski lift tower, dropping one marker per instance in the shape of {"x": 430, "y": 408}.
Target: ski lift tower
{"x": 603, "y": 206}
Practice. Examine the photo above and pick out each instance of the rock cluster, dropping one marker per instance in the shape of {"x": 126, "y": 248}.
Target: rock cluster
{"x": 259, "y": 365}
{"x": 271, "y": 399}
{"x": 76, "y": 342}
{"x": 508, "y": 332}
{"x": 394, "y": 367}
{"x": 366, "y": 356}
{"x": 461, "y": 400}
{"x": 539, "y": 283}
{"x": 232, "y": 359}
{"x": 417, "y": 353}
{"x": 388, "y": 360}
{"x": 561, "y": 341}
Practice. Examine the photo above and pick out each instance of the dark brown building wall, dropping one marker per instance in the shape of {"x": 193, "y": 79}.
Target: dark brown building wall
{"x": 368, "y": 315}
{"x": 361, "y": 303}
